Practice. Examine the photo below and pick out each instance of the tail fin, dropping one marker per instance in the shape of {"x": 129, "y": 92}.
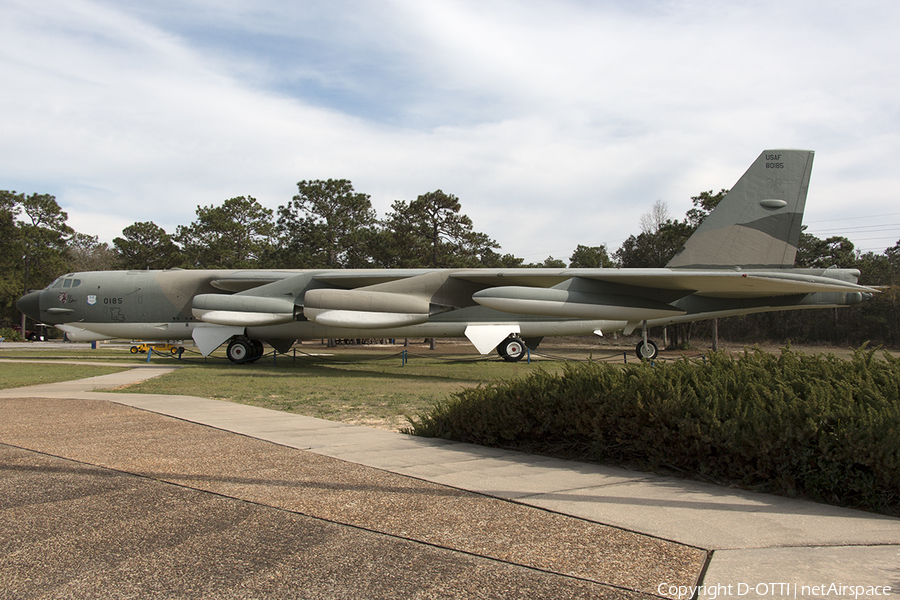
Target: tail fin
{"x": 757, "y": 224}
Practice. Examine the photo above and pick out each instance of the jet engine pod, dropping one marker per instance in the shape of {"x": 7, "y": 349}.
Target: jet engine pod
{"x": 573, "y": 305}
{"x": 364, "y": 309}
{"x": 242, "y": 311}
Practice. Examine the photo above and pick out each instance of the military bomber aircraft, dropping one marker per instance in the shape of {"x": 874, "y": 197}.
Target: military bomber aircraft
{"x": 738, "y": 261}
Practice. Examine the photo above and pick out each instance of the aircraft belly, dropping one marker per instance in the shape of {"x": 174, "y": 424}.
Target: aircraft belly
{"x": 77, "y": 334}
{"x": 527, "y": 327}
{"x": 87, "y": 332}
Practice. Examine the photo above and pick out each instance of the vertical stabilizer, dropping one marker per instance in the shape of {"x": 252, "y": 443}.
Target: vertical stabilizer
{"x": 757, "y": 224}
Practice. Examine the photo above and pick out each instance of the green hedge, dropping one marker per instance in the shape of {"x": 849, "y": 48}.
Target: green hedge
{"x": 10, "y": 335}
{"x": 811, "y": 426}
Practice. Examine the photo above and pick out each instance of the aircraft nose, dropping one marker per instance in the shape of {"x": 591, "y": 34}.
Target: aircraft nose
{"x": 30, "y": 304}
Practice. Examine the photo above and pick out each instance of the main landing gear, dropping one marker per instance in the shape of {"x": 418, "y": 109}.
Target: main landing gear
{"x": 243, "y": 350}
{"x": 512, "y": 349}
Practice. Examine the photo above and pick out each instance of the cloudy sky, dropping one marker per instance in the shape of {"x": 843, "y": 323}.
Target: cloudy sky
{"x": 556, "y": 122}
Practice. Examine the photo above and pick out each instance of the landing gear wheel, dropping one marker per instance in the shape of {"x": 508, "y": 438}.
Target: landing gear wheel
{"x": 134, "y": 350}
{"x": 512, "y": 349}
{"x": 258, "y": 349}
{"x": 239, "y": 351}
{"x": 647, "y": 351}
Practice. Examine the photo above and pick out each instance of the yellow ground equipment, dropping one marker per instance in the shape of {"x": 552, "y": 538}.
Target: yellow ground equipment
{"x": 144, "y": 347}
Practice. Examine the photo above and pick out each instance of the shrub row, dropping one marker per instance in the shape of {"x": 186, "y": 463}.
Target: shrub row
{"x": 811, "y": 426}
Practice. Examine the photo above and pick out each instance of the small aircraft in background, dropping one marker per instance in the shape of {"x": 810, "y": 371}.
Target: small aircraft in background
{"x": 738, "y": 261}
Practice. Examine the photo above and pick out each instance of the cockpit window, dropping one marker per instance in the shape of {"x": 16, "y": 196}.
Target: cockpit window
{"x": 65, "y": 282}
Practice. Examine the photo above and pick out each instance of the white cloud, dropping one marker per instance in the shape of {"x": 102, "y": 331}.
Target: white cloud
{"x": 556, "y": 123}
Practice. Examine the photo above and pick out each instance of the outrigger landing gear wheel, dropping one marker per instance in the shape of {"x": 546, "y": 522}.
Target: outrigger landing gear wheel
{"x": 647, "y": 351}
{"x": 512, "y": 349}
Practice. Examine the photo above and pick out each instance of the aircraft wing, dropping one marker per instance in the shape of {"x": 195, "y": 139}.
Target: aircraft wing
{"x": 710, "y": 283}
{"x": 391, "y": 298}
{"x": 240, "y": 281}
{"x": 381, "y": 299}
{"x": 669, "y": 282}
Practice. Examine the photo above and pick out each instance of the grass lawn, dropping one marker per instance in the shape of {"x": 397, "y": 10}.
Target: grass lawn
{"x": 351, "y": 387}
{"x": 20, "y": 374}
{"x": 365, "y": 385}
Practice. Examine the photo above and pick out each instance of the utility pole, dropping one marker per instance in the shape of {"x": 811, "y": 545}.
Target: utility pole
{"x": 24, "y": 291}
{"x": 715, "y": 335}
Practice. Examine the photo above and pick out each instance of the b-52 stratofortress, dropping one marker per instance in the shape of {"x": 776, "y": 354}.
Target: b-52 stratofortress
{"x": 738, "y": 261}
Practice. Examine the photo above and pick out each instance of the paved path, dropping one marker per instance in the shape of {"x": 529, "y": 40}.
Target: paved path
{"x": 751, "y": 540}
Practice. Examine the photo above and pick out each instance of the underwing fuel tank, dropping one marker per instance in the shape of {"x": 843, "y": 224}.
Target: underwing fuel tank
{"x": 835, "y": 298}
{"x": 573, "y": 304}
{"x": 364, "y": 309}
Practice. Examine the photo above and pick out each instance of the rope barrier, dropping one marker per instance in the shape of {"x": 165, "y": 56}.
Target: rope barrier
{"x": 406, "y": 355}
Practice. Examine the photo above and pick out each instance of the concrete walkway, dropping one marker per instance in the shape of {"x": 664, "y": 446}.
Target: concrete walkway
{"x": 754, "y": 541}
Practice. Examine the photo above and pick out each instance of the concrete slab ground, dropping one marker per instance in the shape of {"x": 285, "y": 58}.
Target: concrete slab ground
{"x": 100, "y": 499}
{"x": 75, "y": 530}
{"x": 750, "y": 539}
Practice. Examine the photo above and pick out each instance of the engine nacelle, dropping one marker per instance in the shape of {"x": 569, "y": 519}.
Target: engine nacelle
{"x": 364, "y": 309}
{"x": 242, "y": 311}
